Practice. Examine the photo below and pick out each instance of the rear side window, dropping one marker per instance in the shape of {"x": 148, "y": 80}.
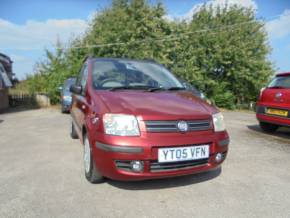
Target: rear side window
{"x": 280, "y": 82}
{"x": 4, "y": 79}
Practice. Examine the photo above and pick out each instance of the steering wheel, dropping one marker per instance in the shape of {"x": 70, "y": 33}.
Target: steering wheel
{"x": 110, "y": 83}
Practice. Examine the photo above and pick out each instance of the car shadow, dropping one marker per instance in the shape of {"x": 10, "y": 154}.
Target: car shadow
{"x": 282, "y": 132}
{"x": 18, "y": 109}
{"x": 1, "y": 121}
{"x": 167, "y": 182}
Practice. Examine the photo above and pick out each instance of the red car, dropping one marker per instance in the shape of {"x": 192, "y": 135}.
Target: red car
{"x": 137, "y": 121}
{"x": 273, "y": 106}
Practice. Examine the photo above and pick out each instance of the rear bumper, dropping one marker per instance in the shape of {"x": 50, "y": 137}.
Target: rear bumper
{"x": 107, "y": 156}
{"x": 263, "y": 117}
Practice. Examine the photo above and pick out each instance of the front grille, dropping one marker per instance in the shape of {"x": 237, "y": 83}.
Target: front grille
{"x": 157, "y": 167}
{"x": 171, "y": 125}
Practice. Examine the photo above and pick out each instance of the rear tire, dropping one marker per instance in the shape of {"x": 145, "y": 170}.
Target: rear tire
{"x": 73, "y": 133}
{"x": 268, "y": 127}
{"x": 91, "y": 172}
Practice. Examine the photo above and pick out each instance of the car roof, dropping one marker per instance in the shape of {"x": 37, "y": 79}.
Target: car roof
{"x": 283, "y": 74}
{"x": 123, "y": 59}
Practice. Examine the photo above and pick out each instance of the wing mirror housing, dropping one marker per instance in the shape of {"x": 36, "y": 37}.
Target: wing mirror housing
{"x": 75, "y": 89}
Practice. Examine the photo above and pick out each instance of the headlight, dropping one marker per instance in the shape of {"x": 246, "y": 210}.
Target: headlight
{"x": 121, "y": 124}
{"x": 218, "y": 122}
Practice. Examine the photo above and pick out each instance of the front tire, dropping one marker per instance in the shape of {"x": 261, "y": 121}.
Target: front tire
{"x": 91, "y": 172}
{"x": 268, "y": 127}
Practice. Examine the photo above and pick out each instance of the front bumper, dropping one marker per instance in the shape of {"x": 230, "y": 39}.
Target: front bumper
{"x": 108, "y": 158}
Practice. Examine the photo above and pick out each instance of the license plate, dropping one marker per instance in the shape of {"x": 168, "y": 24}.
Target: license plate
{"x": 183, "y": 153}
{"x": 282, "y": 113}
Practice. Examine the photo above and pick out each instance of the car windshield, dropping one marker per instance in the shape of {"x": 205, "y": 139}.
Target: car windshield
{"x": 280, "y": 82}
{"x": 129, "y": 74}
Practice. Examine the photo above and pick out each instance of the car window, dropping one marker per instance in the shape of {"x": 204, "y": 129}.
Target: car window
{"x": 83, "y": 79}
{"x": 281, "y": 82}
{"x": 1, "y": 80}
{"x": 4, "y": 79}
{"x": 1, "y": 68}
{"x": 115, "y": 73}
{"x": 79, "y": 78}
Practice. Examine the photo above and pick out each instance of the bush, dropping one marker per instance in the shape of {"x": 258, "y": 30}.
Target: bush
{"x": 224, "y": 98}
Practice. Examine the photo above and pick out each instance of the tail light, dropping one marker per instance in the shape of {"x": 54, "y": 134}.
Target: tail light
{"x": 261, "y": 92}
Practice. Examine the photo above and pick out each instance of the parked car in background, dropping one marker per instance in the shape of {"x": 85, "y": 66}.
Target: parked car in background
{"x": 6, "y": 80}
{"x": 66, "y": 95}
{"x": 273, "y": 106}
{"x": 137, "y": 121}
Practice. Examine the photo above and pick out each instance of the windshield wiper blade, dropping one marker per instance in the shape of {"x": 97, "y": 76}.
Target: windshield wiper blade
{"x": 118, "y": 88}
{"x": 165, "y": 89}
{"x": 147, "y": 88}
{"x": 153, "y": 89}
{"x": 175, "y": 88}
{"x": 129, "y": 87}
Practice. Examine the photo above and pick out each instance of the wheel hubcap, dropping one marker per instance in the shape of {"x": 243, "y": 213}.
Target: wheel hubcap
{"x": 87, "y": 156}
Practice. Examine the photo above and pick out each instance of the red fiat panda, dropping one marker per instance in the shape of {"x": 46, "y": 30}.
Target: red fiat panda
{"x": 137, "y": 121}
{"x": 273, "y": 106}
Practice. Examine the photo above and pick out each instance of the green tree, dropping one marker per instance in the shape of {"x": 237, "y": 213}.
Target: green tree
{"x": 51, "y": 73}
{"x": 136, "y": 25}
{"x": 231, "y": 54}
{"x": 222, "y": 51}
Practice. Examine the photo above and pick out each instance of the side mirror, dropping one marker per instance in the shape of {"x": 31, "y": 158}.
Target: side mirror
{"x": 75, "y": 89}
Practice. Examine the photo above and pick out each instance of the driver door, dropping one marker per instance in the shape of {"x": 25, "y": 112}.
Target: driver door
{"x": 80, "y": 105}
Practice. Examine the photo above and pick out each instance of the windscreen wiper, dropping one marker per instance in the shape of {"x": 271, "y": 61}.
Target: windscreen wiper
{"x": 175, "y": 88}
{"x": 165, "y": 89}
{"x": 118, "y": 88}
{"x": 129, "y": 87}
{"x": 147, "y": 88}
{"x": 153, "y": 89}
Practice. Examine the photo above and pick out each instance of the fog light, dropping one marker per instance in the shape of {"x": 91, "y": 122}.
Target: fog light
{"x": 218, "y": 157}
{"x": 137, "y": 166}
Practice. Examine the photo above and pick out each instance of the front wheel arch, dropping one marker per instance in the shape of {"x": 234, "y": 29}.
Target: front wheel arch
{"x": 93, "y": 175}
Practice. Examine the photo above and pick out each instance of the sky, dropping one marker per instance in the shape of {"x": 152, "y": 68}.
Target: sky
{"x": 28, "y": 27}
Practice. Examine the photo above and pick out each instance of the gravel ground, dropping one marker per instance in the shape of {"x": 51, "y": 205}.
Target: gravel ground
{"x": 41, "y": 175}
